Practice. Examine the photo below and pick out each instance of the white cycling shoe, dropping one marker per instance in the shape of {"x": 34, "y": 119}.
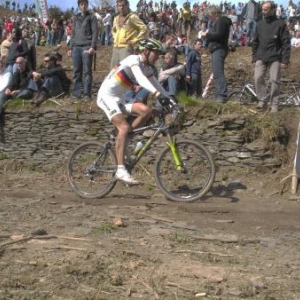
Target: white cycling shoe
{"x": 124, "y": 176}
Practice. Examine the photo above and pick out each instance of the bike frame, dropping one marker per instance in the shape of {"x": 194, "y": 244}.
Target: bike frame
{"x": 159, "y": 128}
{"x": 249, "y": 88}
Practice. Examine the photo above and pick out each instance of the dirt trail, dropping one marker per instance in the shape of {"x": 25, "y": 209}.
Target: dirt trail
{"x": 241, "y": 242}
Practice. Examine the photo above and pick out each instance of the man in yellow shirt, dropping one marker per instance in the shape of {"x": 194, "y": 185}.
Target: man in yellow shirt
{"x": 128, "y": 29}
{"x": 186, "y": 21}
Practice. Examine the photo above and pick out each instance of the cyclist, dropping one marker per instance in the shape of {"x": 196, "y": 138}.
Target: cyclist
{"x": 131, "y": 71}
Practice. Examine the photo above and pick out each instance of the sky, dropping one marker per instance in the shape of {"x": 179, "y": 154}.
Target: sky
{"x": 66, "y": 4}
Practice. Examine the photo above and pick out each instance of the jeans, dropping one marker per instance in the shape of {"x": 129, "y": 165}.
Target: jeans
{"x": 106, "y": 37}
{"x": 49, "y": 38}
{"x": 172, "y": 85}
{"x": 250, "y": 28}
{"x": 50, "y": 85}
{"x": 218, "y": 61}
{"x": 12, "y": 68}
{"x": 195, "y": 85}
{"x": 140, "y": 96}
{"x": 82, "y": 68}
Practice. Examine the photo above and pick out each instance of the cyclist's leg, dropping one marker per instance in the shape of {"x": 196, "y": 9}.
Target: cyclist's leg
{"x": 110, "y": 105}
{"x": 123, "y": 127}
{"x": 141, "y": 110}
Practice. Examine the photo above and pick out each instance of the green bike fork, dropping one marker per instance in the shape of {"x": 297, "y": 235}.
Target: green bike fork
{"x": 176, "y": 156}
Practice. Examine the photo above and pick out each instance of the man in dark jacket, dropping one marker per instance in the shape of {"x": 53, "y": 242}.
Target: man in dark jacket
{"x": 83, "y": 46}
{"x": 51, "y": 81}
{"x": 20, "y": 80}
{"x": 271, "y": 50}
{"x": 217, "y": 38}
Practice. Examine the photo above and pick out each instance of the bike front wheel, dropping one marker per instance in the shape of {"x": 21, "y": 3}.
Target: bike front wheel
{"x": 194, "y": 180}
{"x": 91, "y": 170}
{"x": 239, "y": 97}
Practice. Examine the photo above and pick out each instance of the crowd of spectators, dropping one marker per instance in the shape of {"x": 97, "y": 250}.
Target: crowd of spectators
{"x": 166, "y": 21}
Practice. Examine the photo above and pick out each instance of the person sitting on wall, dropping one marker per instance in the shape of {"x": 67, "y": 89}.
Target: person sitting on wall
{"x": 49, "y": 81}
{"x": 18, "y": 88}
{"x": 172, "y": 73}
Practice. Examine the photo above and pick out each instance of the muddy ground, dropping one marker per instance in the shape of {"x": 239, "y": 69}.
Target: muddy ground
{"x": 241, "y": 242}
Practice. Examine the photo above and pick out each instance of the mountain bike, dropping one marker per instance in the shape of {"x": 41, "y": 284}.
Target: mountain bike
{"x": 184, "y": 170}
{"x": 247, "y": 94}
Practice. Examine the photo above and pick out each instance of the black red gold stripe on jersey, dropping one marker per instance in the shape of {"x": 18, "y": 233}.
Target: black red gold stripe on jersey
{"x": 124, "y": 79}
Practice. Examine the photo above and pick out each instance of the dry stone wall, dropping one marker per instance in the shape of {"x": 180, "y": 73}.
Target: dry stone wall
{"x": 47, "y": 137}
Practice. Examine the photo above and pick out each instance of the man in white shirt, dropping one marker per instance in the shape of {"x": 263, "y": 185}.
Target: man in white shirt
{"x": 107, "y": 22}
{"x": 295, "y": 41}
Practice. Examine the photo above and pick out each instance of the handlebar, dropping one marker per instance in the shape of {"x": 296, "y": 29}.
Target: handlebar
{"x": 166, "y": 105}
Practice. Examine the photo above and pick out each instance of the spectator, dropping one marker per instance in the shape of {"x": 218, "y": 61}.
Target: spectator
{"x": 15, "y": 50}
{"x": 252, "y": 14}
{"x": 127, "y": 30}
{"x": 43, "y": 40}
{"x": 18, "y": 88}
{"x": 54, "y": 33}
{"x": 83, "y": 46}
{"x": 6, "y": 44}
{"x": 186, "y": 18}
{"x": 60, "y": 29}
{"x": 171, "y": 74}
{"x": 29, "y": 50}
{"x": 217, "y": 38}
{"x": 169, "y": 42}
{"x": 106, "y": 36}
{"x": 48, "y": 29}
{"x": 9, "y": 25}
{"x": 37, "y": 31}
{"x": 270, "y": 53}
{"x": 49, "y": 81}
{"x": 193, "y": 70}
{"x": 232, "y": 16}
{"x": 235, "y": 36}
{"x": 5, "y": 79}
{"x": 295, "y": 41}
{"x": 203, "y": 29}
{"x": 238, "y": 12}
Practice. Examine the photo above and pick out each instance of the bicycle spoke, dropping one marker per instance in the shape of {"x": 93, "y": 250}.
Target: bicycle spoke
{"x": 196, "y": 178}
{"x": 91, "y": 170}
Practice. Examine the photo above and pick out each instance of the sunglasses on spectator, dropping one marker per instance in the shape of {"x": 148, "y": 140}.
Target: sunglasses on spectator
{"x": 47, "y": 60}
{"x": 19, "y": 62}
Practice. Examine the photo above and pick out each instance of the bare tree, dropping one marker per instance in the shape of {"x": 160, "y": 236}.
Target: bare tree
{"x": 103, "y": 3}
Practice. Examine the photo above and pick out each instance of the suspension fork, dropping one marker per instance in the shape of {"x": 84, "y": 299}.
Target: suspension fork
{"x": 174, "y": 150}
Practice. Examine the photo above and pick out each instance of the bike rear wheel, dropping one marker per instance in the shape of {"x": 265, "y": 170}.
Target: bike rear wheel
{"x": 239, "y": 97}
{"x": 91, "y": 170}
{"x": 196, "y": 178}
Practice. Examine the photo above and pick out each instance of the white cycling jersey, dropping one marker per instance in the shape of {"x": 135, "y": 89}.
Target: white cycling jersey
{"x": 131, "y": 71}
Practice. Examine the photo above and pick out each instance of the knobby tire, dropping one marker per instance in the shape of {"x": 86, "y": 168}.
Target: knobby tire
{"x": 91, "y": 170}
{"x": 239, "y": 97}
{"x": 190, "y": 184}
